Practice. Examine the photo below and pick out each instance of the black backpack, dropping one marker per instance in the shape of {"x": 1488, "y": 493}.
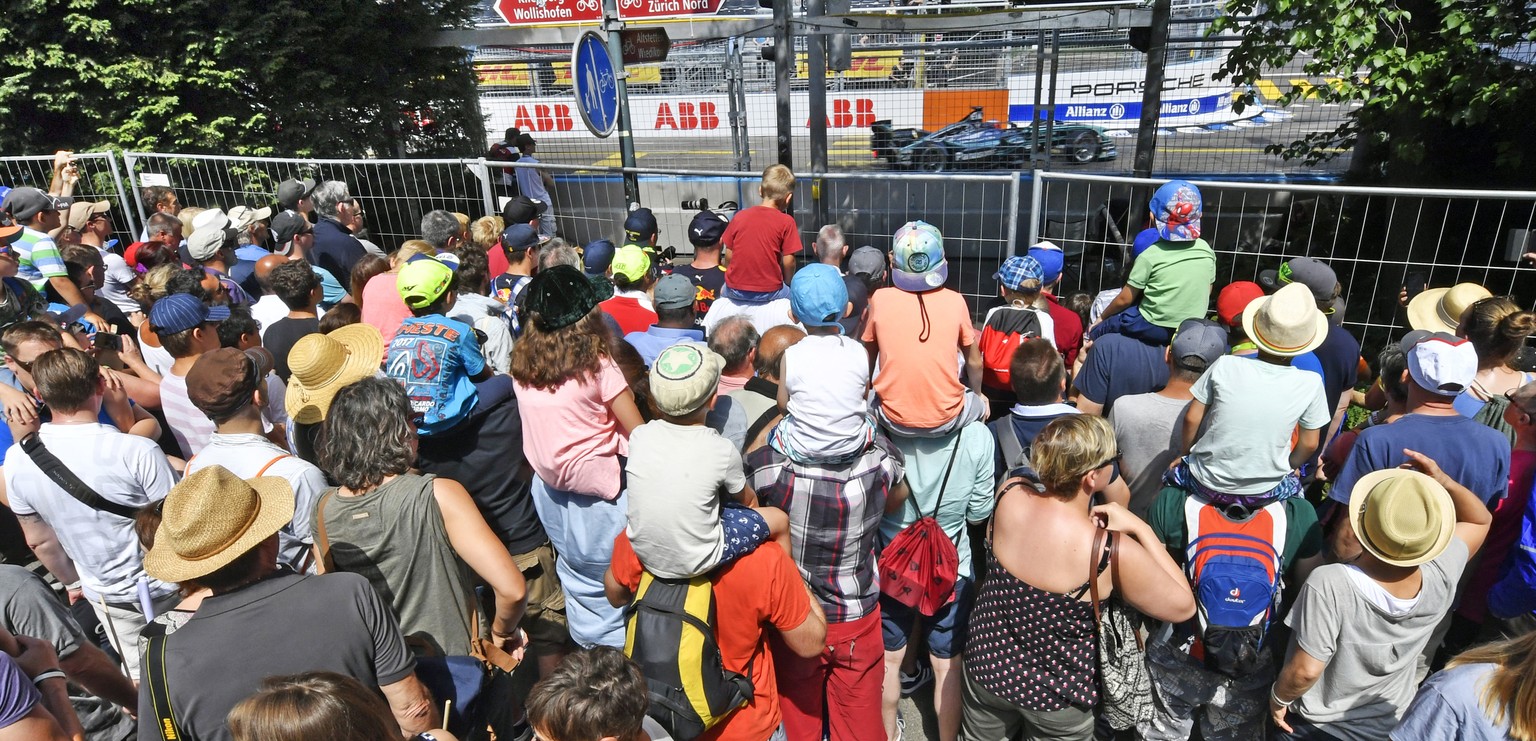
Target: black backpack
{"x": 670, "y": 633}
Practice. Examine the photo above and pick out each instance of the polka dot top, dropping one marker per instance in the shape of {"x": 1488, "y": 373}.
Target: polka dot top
{"x": 1033, "y": 648}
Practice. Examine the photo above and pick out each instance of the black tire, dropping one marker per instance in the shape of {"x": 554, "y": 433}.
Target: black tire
{"x": 1084, "y": 147}
{"x": 931, "y": 158}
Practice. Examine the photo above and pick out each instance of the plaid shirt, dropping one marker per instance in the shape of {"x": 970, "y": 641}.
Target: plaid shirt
{"x": 834, "y": 520}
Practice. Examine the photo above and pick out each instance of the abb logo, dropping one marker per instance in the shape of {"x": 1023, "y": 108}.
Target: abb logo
{"x": 689, "y": 116}
{"x": 555, "y": 117}
{"x": 855, "y": 113}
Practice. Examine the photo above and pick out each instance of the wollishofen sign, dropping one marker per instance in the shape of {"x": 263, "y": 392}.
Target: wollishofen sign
{"x": 532, "y": 12}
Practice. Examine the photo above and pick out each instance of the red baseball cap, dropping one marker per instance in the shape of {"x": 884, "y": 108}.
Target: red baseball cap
{"x": 1234, "y": 298}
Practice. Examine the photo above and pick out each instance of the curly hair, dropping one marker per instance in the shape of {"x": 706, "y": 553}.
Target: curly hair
{"x": 546, "y": 360}
{"x": 368, "y": 434}
{"x": 596, "y": 693}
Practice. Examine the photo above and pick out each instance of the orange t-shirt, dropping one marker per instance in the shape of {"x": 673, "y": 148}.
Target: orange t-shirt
{"x": 919, "y": 381}
{"x": 762, "y": 588}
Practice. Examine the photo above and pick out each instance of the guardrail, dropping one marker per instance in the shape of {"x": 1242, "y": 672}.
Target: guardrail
{"x": 1374, "y": 238}
{"x": 101, "y": 179}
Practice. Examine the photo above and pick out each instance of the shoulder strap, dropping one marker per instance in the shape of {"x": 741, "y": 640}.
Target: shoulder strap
{"x": 159, "y": 691}
{"x": 270, "y": 464}
{"x": 945, "y": 484}
{"x": 322, "y": 542}
{"x": 1008, "y": 438}
{"x": 1095, "y": 557}
{"x": 51, "y": 466}
{"x": 758, "y": 425}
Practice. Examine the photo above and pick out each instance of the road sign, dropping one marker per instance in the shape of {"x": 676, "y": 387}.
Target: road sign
{"x": 595, "y": 83}
{"x": 630, "y": 9}
{"x": 533, "y": 12}
{"x": 643, "y": 45}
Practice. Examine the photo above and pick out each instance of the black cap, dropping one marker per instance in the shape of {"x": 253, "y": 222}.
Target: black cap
{"x": 640, "y": 225}
{"x": 521, "y": 210}
{"x": 706, "y": 229}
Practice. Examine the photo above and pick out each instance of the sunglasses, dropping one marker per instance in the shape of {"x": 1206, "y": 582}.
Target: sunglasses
{"x": 1510, "y": 396}
{"x": 1112, "y": 459}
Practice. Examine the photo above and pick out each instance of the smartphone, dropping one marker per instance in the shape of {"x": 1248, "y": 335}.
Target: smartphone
{"x": 108, "y": 341}
{"x": 1415, "y": 283}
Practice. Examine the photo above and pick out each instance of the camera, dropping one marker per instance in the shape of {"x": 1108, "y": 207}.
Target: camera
{"x": 697, "y": 204}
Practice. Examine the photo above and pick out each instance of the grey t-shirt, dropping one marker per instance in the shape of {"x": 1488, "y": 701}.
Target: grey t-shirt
{"x": 281, "y": 625}
{"x": 1245, "y": 441}
{"x": 1449, "y": 707}
{"x": 1371, "y": 655}
{"x": 674, "y": 502}
{"x": 1149, "y": 429}
{"x": 29, "y": 608}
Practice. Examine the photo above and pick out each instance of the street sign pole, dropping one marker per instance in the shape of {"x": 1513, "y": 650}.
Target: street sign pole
{"x": 615, "y": 28}
{"x": 783, "y": 68}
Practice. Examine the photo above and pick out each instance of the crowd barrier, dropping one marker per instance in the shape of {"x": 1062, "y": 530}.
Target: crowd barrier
{"x": 1378, "y": 239}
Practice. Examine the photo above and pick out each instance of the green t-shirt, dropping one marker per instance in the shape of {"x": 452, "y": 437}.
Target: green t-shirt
{"x": 1303, "y": 536}
{"x": 1175, "y": 281}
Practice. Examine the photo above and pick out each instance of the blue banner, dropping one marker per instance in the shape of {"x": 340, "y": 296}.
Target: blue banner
{"x": 1106, "y": 112}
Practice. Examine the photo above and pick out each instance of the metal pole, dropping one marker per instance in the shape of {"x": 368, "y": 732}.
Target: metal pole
{"x": 129, "y": 160}
{"x": 1034, "y": 118}
{"x": 816, "y": 63}
{"x": 487, "y": 190}
{"x": 1050, "y": 100}
{"x": 1036, "y": 201}
{"x": 783, "y": 69}
{"x": 1152, "y": 92}
{"x": 122, "y": 197}
{"x": 735, "y": 78}
{"x": 1013, "y": 213}
{"x": 614, "y": 27}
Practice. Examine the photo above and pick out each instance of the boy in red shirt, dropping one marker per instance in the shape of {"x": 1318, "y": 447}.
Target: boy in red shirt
{"x": 763, "y": 241}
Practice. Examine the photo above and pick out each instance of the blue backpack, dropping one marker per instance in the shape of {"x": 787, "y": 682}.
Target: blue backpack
{"x": 1235, "y": 568}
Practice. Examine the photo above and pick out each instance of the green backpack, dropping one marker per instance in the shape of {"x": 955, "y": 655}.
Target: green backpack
{"x": 670, "y": 634}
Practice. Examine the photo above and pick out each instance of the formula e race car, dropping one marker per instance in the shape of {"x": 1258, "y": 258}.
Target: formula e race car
{"x": 974, "y": 143}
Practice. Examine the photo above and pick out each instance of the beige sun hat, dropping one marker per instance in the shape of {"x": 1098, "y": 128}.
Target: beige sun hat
{"x": 213, "y": 517}
{"x": 1440, "y": 309}
{"x": 321, "y": 364}
{"x": 1286, "y": 324}
{"x": 1401, "y": 516}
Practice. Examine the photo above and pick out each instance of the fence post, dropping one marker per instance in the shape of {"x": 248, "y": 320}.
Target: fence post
{"x": 1036, "y": 199}
{"x": 129, "y": 160}
{"x": 487, "y": 191}
{"x": 122, "y": 198}
{"x": 1013, "y": 213}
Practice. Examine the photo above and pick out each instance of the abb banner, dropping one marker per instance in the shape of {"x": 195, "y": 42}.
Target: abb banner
{"x": 682, "y": 116}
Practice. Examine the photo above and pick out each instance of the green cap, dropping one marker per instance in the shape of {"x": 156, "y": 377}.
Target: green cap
{"x": 423, "y": 281}
{"x": 631, "y": 263}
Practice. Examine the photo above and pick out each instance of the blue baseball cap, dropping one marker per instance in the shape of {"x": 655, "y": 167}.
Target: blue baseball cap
{"x": 597, "y": 256}
{"x": 1176, "y": 209}
{"x": 1052, "y": 260}
{"x": 180, "y": 312}
{"x": 519, "y": 237}
{"x": 818, "y": 296}
{"x": 706, "y": 229}
{"x": 918, "y": 262}
{"x": 1145, "y": 239}
{"x": 1015, "y": 270}
{"x": 640, "y": 225}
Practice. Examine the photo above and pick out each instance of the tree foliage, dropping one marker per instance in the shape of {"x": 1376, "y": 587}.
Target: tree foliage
{"x": 320, "y": 78}
{"x": 1438, "y": 99}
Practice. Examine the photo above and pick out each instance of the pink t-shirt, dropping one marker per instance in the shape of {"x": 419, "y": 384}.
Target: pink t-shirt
{"x": 383, "y": 307}
{"x": 570, "y": 435}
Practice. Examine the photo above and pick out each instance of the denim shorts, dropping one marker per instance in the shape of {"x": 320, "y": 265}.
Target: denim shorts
{"x": 944, "y": 631}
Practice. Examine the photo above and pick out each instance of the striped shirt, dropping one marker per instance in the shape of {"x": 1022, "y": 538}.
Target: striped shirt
{"x": 834, "y": 520}
{"x": 38, "y": 257}
{"x": 189, "y": 425}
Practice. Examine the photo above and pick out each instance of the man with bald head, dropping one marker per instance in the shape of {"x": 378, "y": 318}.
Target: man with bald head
{"x": 759, "y": 398}
{"x": 269, "y": 308}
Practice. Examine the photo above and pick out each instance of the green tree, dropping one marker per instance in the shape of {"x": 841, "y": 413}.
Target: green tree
{"x": 1439, "y": 102}
{"x": 320, "y": 78}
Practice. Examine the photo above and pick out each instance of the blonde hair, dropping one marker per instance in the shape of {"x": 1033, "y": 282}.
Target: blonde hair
{"x": 188, "y": 213}
{"x": 1067, "y": 449}
{"x": 778, "y": 183}
{"x": 1506, "y": 695}
{"x": 485, "y": 232}
{"x": 463, "y": 221}
{"x": 410, "y": 249}
{"x": 1497, "y": 328}
{"x": 152, "y": 287}
{"x": 1028, "y": 292}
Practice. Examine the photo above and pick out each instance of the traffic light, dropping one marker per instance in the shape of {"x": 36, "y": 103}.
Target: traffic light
{"x": 1140, "y": 38}
{"x": 839, "y": 45}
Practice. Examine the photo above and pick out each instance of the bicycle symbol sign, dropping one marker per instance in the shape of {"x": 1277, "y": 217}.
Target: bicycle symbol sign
{"x": 594, "y": 81}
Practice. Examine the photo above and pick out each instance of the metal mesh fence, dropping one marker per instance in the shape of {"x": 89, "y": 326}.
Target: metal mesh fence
{"x": 1377, "y": 239}
{"x": 394, "y": 194}
{"x": 101, "y": 179}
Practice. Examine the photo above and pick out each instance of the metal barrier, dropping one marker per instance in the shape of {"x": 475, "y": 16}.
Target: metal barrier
{"x": 101, "y": 179}
{"x": 394, "y": 193}
{"x": 1374, "y": 238}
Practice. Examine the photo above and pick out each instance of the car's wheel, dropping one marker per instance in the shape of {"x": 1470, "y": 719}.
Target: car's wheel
{"x": 1084, "y": 147}
{"x": 931, "y": 158}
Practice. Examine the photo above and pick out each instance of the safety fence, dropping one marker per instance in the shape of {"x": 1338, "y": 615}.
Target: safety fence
{"x": 1378, "y": 240}
{"x": 101, "y": 179}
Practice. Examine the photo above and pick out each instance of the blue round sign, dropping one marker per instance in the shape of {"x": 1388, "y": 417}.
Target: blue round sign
{"x": 595, "y": 83}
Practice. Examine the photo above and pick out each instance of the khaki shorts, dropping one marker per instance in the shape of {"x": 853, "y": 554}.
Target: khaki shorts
{"x": 544, "y": 618}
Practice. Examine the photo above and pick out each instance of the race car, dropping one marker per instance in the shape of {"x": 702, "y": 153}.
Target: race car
{"x": 974, "y": 143}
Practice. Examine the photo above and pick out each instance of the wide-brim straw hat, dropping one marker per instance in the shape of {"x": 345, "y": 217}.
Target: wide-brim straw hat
{"x": 1403, "y": 517}
{"x": 213, "y": 517}
{"x": 1440, "y": 309}
{"x": 322, "y": 364}
{"x": 1286, "y": 324}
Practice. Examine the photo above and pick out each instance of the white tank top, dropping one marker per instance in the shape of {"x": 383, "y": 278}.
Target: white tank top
{"x": 827, "y": 377}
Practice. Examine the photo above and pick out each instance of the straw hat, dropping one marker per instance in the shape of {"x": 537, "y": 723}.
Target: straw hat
{"x": 1286, "y": 324}
{"x": 322, "y": 364}
{"x": 1440, "y": 309}
{"x": 213, "y": 517}
{"x": 1401, "y": 516}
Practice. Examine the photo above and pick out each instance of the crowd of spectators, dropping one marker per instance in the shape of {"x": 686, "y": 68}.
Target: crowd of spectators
{"x": 265, "y": 480}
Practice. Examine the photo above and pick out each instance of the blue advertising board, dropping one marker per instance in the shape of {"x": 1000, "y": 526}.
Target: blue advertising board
{"x": 1109, "y": 113}
{"x": 595, "y": 84}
